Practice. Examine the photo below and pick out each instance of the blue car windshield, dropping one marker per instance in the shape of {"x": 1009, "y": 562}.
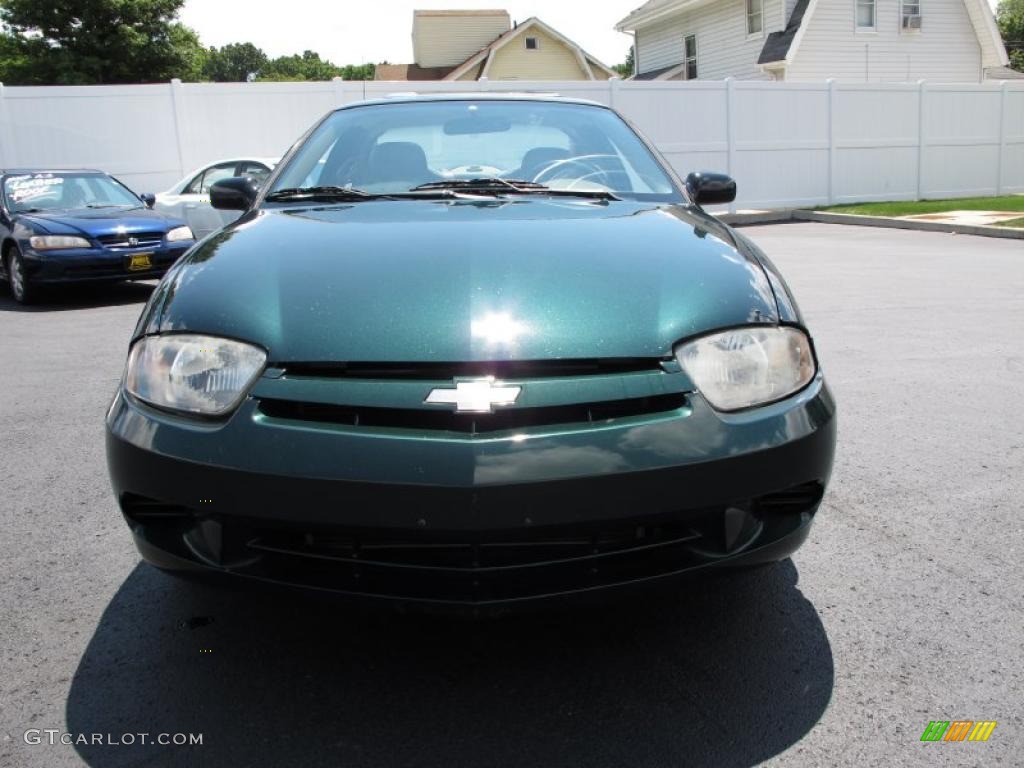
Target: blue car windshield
{"x": 65, "y": 191}
{"x": 393, "y": 148}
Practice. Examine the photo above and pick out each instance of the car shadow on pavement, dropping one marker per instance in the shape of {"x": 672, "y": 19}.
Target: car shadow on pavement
{"x": 60, "y": 298}
{"x": 725, "y": 671}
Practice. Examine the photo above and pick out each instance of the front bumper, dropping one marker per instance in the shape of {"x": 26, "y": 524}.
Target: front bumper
{"x": 99, "y": 264}
{"x": 476, "y": 520}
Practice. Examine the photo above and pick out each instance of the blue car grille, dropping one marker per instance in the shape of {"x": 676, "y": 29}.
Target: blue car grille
{"x": 126, "y": 240}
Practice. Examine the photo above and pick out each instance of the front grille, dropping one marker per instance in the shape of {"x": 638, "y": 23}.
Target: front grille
{"x": 121, "y": 240}
{"x": 517, "y": 550}
{"x": 476, "y": 423}
{"x": 501, "y": 566}
{"x": 501, "y": 369}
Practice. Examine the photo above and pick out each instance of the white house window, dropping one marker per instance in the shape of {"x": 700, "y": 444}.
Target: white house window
{"x": 690, "y": 57}
{"x": 910, "y": 15}
{"x": 531, "y": 44}
{"x": 755, "y": 16}
{"x": 865, "y": 14}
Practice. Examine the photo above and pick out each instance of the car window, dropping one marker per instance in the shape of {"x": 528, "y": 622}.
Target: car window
{"x": 394, "y": 147}
{"x": 63, "y": 191}
{"x": 195, "y": 184}
{"x": 461, "y": 153}
{"x": 201, "y": 184}
{"x": 257, "y": 171}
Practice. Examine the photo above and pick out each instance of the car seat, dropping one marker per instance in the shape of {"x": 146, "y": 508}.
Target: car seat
{"x": 537, "y": 160}
{"x": 401, "y": 161}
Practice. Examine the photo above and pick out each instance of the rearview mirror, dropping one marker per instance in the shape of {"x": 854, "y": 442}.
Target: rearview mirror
{"x": 149, "y": 199}
{"x": 234, "y": 194}
{"x": 707, "y": 188}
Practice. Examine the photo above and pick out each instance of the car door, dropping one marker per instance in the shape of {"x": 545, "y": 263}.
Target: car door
{"x": 194, "y": 199}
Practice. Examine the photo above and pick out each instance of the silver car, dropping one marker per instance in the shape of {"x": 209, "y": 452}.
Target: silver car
{"x": 189, "y": 198}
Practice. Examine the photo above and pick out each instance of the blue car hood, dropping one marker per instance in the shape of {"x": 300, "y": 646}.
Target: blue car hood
{"x": 96, "y": 222}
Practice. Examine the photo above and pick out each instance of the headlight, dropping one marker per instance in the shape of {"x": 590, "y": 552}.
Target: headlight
{"x": 53, "y": 242}
{"x": 195, "y": 374}
{"x": 180, "y": 233}
{"x": 744, "y": 367}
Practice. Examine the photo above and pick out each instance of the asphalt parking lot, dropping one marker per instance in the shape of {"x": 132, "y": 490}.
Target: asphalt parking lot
{"x": 906, "y": 605}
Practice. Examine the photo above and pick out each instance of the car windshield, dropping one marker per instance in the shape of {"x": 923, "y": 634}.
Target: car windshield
{"x": 394, "y": 148}
{"x": 65, "y": 191}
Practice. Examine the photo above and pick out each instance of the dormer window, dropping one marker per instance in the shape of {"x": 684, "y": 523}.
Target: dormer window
{"x": 532, "y": 44}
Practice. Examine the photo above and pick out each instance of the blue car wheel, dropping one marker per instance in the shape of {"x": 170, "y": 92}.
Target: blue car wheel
{"x": 22, "y": 290}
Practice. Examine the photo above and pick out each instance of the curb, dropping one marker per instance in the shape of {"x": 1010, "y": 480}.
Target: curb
{"x": 823, "y": 217}
{"x": 921, "y": 226}
{"x": 761, "y": 217}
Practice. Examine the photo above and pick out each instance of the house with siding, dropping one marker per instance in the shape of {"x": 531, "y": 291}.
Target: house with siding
{"x": 847, "y": 40}
{"x": 470, "y": 45}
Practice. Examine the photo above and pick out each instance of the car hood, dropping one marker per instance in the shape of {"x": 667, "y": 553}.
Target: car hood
{"x": 96, "y": 222}
{"x": 456, "y": 281}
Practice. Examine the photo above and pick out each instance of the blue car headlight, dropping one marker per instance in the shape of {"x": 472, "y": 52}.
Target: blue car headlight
{"x": 203, "y": 375}
{"x": 57, "y": 242}
{"x": 744, "y": 367}
{"x": 180, "y": 233}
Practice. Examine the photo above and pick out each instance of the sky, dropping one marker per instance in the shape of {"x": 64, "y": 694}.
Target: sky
{"x": 349, "y": 32}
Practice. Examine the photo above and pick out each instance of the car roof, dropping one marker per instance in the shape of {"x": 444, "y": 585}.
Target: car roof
{"x": 411, "y": 97}
{"x": 247, "y": 159}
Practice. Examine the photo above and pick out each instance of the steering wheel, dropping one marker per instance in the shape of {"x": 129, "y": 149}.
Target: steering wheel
{"x": 590, "y": 167}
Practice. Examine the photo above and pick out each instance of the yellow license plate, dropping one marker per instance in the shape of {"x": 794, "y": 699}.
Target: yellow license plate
{"x": 140, "y": 261}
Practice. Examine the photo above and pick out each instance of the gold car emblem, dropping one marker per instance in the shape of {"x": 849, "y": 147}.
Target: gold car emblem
{"x": 478, "y": 396}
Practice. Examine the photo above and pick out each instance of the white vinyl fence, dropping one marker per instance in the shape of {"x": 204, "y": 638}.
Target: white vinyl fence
{"x": 787, "y": 144}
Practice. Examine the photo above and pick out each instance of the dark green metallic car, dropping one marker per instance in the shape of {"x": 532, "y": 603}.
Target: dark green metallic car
{"x": 471, "y": 350}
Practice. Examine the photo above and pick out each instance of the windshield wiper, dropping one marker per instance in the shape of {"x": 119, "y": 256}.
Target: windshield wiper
{"x": 517, "y": 186}
{"x": 322, "y": 193}
{"x": 106, "y": 205}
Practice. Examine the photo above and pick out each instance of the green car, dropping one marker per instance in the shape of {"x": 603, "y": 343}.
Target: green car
{"x": 471, "y": 350}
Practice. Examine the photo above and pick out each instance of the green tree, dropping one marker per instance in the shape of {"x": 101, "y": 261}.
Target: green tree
{"x": 85, "y": 42}
{"x": 307, "y": 66}
{"x": 358, "y": 71}
{"x": 193, "y": 56}
{"x": 1010, "y": 17}
{"x": 234, "y": 63}
{"x": 626, "y": 68}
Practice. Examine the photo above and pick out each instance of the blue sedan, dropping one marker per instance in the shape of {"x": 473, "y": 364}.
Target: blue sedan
{"x": 72, "y": 226}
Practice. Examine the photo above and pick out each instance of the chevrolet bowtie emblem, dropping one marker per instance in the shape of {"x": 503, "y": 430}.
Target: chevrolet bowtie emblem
{"x": 474, "y": 396}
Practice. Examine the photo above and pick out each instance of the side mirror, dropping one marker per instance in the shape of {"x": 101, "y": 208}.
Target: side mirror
{"x": 149, "y": 199}
{"x": 708, "y": 188}
{"x": 234, "y": 194}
